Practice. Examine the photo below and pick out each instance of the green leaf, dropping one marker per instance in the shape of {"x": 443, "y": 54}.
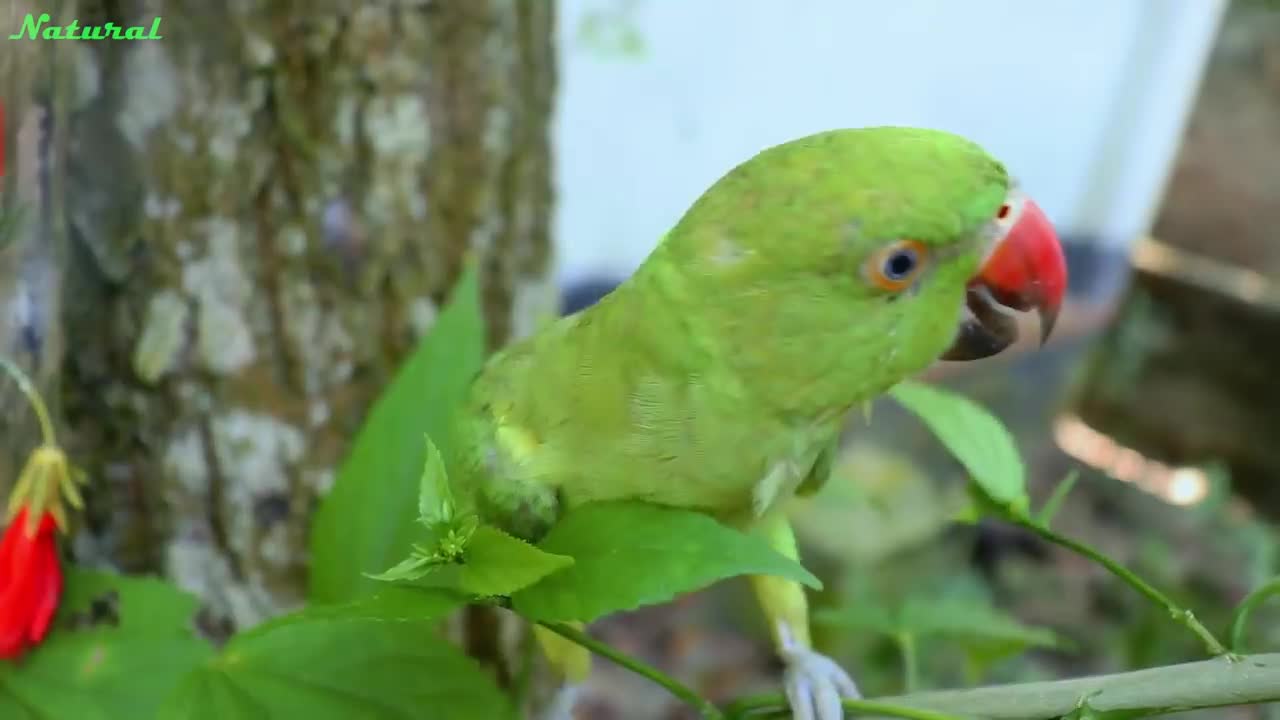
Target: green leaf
{"x": 975, "y": 437}
{"x": 861, "y": 616}
{"x": 389, "y": 604}
{"x": 958, "y": 608}
{"x": 876, "y": 504}
{"x": 972, "y": 619}
{"x": 418, "y": 565}
{"x": 366, "y": 522}
{"x": 496, "y": 563}
{"x": 435, "y": 497}
{"x": 491, "y": 563}
{"x": 1051, "y": 506}
{"x": 119, "y": 645}
{"x": 1240, "y": 618}
{"x": 630, "y": 554}
{"x": 378, "y": 657}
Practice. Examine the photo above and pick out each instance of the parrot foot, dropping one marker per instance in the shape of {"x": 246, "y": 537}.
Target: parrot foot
{"x": 815, "y": 684}
{"x": 561, "y": 706}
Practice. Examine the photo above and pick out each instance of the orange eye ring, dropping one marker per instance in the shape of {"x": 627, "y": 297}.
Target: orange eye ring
{"x": 897, "y": 265}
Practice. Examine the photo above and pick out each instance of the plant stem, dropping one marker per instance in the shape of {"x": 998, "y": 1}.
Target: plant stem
{"x": 1056, "y": 498}
{"x": 910, "y": 665}
{"x": 28, "y": 389}
{"x": 1177, "y": 612}
{"x": 705, "y": 707}
{"x": 1241, "y": 615}
{"x": 1215, "y": 683}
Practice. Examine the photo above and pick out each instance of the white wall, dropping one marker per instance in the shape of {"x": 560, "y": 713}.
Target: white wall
{"x": 1084, "y": 100}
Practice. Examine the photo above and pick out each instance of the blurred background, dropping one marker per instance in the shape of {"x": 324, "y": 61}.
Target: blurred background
{"x": 236, "y": 233}
{"x": 1150, "y": 133}
{"x": 1085, "y": 101}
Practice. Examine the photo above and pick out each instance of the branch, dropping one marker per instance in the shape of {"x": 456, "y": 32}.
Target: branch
{"x": 704, "y": 707}
{"x": 1212, "y": 683}
{"x": 1246, "y": 606}
{"x": 1178, "y": 613}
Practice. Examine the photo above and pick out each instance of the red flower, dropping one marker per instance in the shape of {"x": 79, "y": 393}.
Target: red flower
{"x": 30, "y": 582}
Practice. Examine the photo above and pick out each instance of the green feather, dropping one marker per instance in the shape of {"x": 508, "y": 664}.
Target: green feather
{"x": 715, "y": 377}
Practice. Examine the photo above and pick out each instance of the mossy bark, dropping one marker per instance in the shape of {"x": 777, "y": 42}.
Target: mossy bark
{"x": 31, "y": 231}
{"x": 261, "y": 212}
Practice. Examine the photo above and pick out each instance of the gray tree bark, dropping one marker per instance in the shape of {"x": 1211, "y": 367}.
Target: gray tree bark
{"x": 31, "y": 233}
{"x": 237, "y": 232}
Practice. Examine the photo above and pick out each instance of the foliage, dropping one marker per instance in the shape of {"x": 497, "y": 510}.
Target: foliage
{"x": 491, "y": 564}
{"x": 878, "y": 504}
{"x": 987, "y": 451}
{"x": 367, "y": 518}
{"x": 370, "y": 645}
{"x": 978, "y": 440}
{"x": 611, "y": 32}
{"x": 959, "y": 612}
{"x": 664, "y": 552}
{"x": 118, "y": 646}
{"x": 380, "y": 656}
{"x": 461, "y": 554}
{"x": 1267, "y": 591}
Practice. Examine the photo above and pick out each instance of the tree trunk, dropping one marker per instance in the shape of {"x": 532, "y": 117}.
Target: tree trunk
{"x": 261, "y": 213}
{"x": 1186, "y": 371}
{"x": 31, "y": 233}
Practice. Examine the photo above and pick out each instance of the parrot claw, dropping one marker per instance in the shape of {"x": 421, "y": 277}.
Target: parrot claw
{"x": 815, "y": 685}
{"x": 561, "y": 706}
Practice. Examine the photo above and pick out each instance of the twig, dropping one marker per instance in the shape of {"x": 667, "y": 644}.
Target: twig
{"x": 1177, "y": 612}
{"x": 1246, "y": 606}
{"x": 29, "y": 390}
{"x": 1252, "y": 679}
{"x": 705, "y": 707}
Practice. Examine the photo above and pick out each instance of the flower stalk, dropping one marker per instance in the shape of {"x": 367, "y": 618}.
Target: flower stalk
{"x": 31, "y": 580}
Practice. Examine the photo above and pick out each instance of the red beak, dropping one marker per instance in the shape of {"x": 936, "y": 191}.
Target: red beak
{"x": 1025, "y": 271}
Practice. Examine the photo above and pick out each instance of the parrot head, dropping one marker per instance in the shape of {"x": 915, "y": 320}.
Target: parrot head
{"x": 903, "y": 245}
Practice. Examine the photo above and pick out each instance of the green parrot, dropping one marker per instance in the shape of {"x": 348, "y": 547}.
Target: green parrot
{"x": 805, "y": 282}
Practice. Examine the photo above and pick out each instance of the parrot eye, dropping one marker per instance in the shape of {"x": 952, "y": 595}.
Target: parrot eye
{"x": 900, "y": 264}
{"x": 896, "y": 266}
